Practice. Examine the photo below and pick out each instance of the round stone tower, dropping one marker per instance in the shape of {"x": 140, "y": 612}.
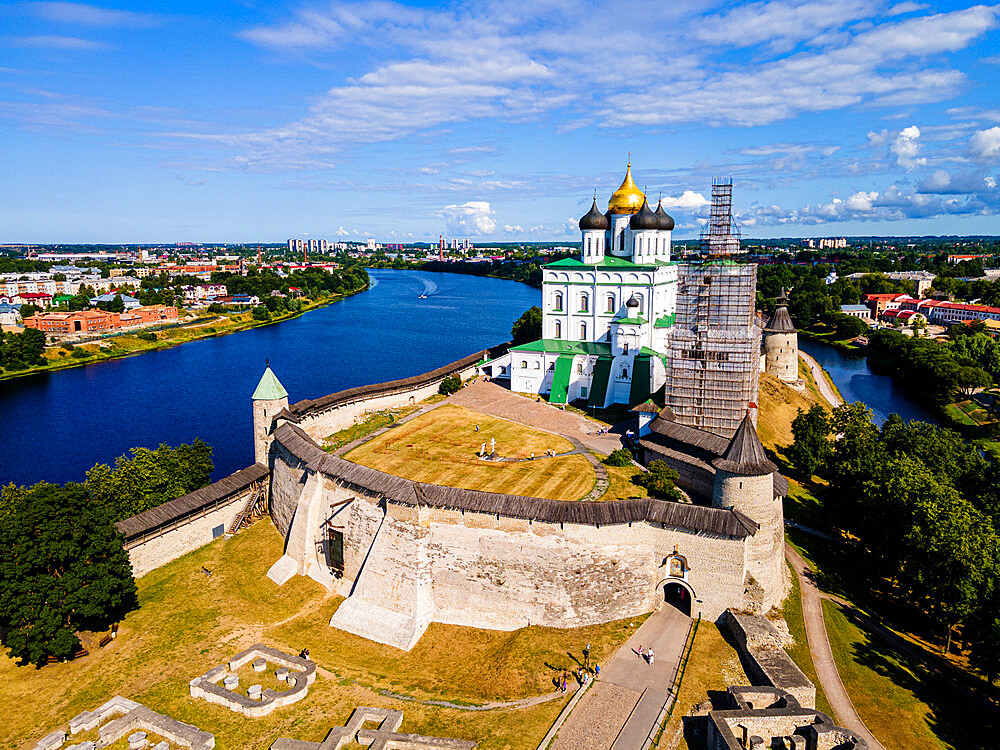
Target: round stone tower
{"x": 268, "y": 400}
{"x": 781, "y": 344}
{"x": 744, "y": 481}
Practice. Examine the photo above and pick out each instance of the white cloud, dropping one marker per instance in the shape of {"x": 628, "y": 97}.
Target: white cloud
{"x": 780, "y": 24}
{"x": 91, "y": 15}
{"x": 55, "y": 42}
{"x": 689, "y": 199}
{"x": 470, "y": 218}
{"x": 984, "y": 145}
{"x": 905, "y": 148}
{"x": 510, "y": 228}
{"x": 341, "y": 232}
{"x": 942, "y": 182}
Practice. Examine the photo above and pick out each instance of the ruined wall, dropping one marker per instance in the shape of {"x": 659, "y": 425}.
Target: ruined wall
{"x": 288, "y": 478}
{"x": 189, "y": 535}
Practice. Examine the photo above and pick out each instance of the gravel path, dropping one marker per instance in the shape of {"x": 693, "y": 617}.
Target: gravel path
{"x": 820, "y": 377}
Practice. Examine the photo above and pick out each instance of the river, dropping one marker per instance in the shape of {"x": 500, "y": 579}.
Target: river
{"x": 856, "y": 382}
{"x": 57, "y": 425}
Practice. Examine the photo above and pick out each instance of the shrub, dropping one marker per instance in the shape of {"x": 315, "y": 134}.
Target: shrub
{"x": 146, "y": 336}
{"x": 450, "y": 385}
{"x": 260, "y": 313}
{"x": 80, "y": 354}
{"x": 67, "y": 346}
{"x": 659, "y": 480}
{"x": 620, "y": 457}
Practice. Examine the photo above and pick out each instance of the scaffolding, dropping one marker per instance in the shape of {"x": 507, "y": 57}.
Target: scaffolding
{"x": 713, "y": 371}
{"x": 721, "y": 236}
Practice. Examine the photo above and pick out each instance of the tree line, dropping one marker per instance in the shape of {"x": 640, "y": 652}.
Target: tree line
{"x": 64, "y": 567}
{"x": 922, "y": 508}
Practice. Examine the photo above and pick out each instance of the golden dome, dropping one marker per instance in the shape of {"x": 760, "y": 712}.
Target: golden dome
{"x": 627, "y": 199}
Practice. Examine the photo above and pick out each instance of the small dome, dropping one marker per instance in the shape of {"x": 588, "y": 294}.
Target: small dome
{"x": 628, "y": 198}
{"x": 593, "y": 219}
{"x": 632, "y": 302}
{"x": 644, "y": 219}
{"x": 666, "y": 220}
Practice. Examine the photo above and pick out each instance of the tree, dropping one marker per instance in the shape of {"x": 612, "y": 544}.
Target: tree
{"x": 967, "y": 380}
{"x": 849, "y": 326}
{"x": 150, "y": 478}
{"x": 528, "y": 327}
{"x": 261, "y": 314}
{"x": 28, "y": 309}
{"x": 64, "y": 569}
{"x": 811, "y": 447}
{"x": 659, "y": 480}
{"x": 450, "y": 385}
{"x": 619, "y": 457}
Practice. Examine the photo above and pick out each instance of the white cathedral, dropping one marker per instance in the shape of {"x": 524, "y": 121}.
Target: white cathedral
{"x": 606, "y": 315}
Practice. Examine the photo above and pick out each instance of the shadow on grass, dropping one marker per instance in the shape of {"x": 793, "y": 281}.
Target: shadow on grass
{"x": 831, "y": 563}
{"x": 956, "y": 721}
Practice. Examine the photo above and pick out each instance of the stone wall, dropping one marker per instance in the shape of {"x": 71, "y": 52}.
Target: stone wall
{"x": 190, "y": 534}
{"x": 323, "y": 423}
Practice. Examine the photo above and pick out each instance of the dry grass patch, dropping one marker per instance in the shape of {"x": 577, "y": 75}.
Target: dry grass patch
{"x": 188, "y": 622}
{"x": 779, "y": 404}
{"x": 441, "y": 446}
{"x": 620, "y": 483}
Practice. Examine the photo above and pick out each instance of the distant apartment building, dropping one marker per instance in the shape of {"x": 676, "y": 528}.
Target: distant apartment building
{"x": 856, "y": 311}
{"x": 954, "y": 260}
{"x": 98, "y": 321}
{"x": 139, "y": 272}
{"x": 920, "y": 281}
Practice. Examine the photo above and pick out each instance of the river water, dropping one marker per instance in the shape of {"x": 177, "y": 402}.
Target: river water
{"x": 850, "y": 373}
{"x": 55, "y": 426}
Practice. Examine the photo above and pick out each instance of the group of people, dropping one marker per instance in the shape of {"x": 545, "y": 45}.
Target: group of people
{"x": 583, "y": 674}
{"x": 646, "y": 654}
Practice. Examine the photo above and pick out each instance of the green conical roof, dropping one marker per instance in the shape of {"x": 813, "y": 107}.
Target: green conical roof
{"x": 269, "y": 388}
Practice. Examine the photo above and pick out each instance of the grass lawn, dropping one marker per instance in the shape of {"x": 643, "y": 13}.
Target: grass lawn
{"x": 714, "y": 665}
{"x": 440, "y": 447}
{"x": 799, "y": 651}
{"x": 903, "y": 704}
{"x": 188, "y": 623}
{"x": 372, "y": 422}
{"x": 620, "y": 484}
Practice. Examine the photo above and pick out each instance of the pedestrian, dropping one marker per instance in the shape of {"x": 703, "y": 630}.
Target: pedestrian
{"x": 642, "y": 654}
{"x": 597, "y": 671}
{"x": 651, "y": 656}
{"x": 477, "y": 428}
{"x": 564, "y": 685}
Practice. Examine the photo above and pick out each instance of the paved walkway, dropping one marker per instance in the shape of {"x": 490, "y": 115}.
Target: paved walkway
{"x": 820, "y": 377}
{"x": 618, "y": 711}
{"x": 495, "y": 400}
{"x": 821, "y": 653}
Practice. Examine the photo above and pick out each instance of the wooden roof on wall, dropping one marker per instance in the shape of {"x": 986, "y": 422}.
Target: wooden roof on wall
{"x": 695, "y": 518}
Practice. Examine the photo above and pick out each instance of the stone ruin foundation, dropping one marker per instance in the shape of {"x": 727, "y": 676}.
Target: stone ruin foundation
{"x": 384, "y": 737}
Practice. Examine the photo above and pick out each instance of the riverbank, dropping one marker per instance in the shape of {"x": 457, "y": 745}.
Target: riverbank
{"x": 64, "y": 357}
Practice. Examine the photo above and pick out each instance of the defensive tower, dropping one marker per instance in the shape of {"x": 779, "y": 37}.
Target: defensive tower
{"x": 781, "y": 344}
{"x": 269, "y": 399}
{"x": 744, "y": 481}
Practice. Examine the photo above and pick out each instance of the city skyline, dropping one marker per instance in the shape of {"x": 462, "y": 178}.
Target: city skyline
{"x": 497, "y": 122}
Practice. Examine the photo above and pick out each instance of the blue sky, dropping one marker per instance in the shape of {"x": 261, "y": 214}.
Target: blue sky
{"x": 258, "y": 121}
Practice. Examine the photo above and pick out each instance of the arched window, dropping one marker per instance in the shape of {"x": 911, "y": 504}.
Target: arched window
{"x": 621, "y": 242}
{"x": 538, "y": 365}
{"x": 558, "y": 302}
{"x": 624, "y": 373}
{"x": 558, "y": 330}
{"x": 588, "y": 246}
{"x": 584, "y": 303}
{"x": 611, "y": 303}
{"x": 524, "y": 364}
{"x": 640, "y": 300}
{"x": 583, "y": 332}
{"x": 579, "y": 368}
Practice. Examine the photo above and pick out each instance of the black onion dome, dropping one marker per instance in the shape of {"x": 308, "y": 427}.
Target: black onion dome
{"x": 644, "y": 218}
{"x": 632, "y": 302}
{"x": 666, "y": 220}
{"x": 593, "y": 219}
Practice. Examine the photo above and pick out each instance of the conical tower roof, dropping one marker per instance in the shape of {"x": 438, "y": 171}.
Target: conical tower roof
{"x": 269, "y": 388}
{"x": 781, "y": 321}
{"x": 745, "y": 454}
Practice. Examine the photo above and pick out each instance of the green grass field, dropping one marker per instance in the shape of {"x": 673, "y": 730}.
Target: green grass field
{"x": 440, "y": 447}
{"x": 188, "y": 622}
{"x": 620, "y": 484}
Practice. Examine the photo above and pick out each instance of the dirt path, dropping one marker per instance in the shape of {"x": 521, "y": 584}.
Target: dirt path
{"x": 822, "y": 383}
{"x": 619, "y": 709}
{"x": 822, "y": 655}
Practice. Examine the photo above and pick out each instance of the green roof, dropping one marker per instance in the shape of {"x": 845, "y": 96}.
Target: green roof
{"x": 638, "y": 320}
{"x": 561, "y": 346}
{"x": 269, "y": 388}
{"x": 609, "y": 261}
{"x": 62, "y": 297}
{"x": 665, "y": 321}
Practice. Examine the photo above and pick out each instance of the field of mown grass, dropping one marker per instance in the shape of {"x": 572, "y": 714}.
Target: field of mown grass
{"x": 441, "y": 446}
{"x": 188, "y": 622}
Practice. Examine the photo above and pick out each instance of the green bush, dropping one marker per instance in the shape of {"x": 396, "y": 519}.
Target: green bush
{"x": 79, "y": 354}
{"x": 67, "y": 346}
{"x": 620, "y": 457}
{"x": 659, "y": 480}
{"x": 261, "y": 313}
{"x": 146, "y": 336}
{"x": 450, "y": 385}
